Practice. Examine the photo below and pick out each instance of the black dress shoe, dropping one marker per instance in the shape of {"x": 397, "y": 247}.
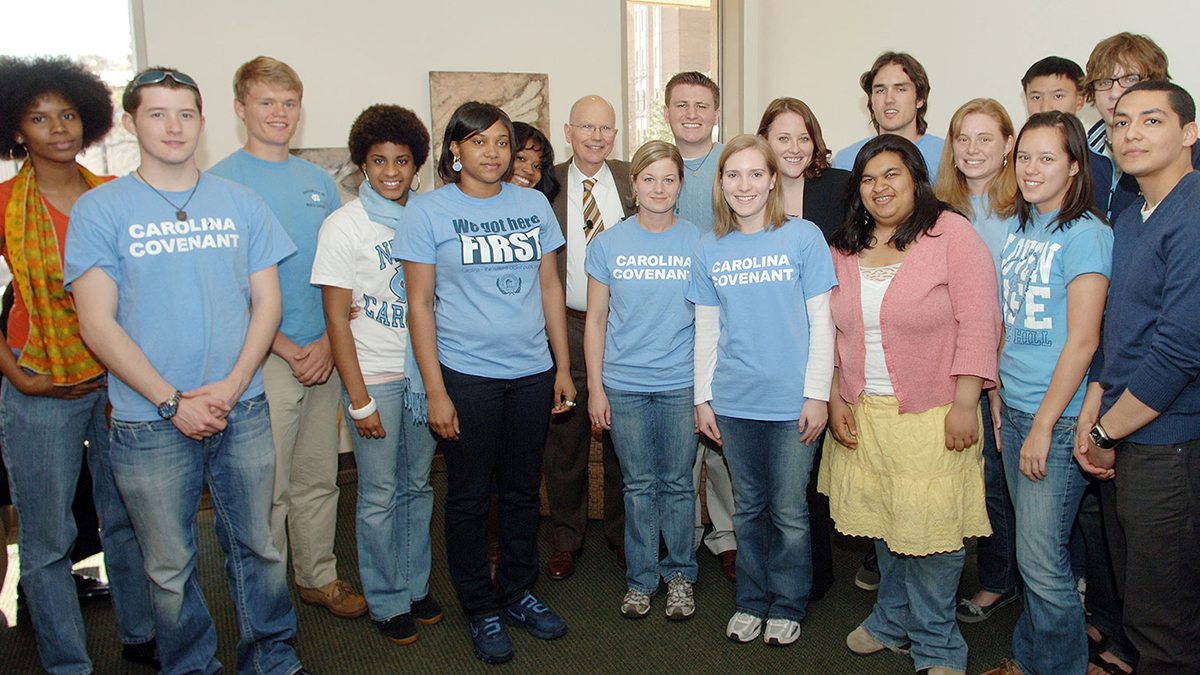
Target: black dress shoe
{"x": 144, "y": 653}
{"x": 90, "y": 588}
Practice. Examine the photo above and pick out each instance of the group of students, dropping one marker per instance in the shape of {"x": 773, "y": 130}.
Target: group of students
{"x": 754, "y": 300}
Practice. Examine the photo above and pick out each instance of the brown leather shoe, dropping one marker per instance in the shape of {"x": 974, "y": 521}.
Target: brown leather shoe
{"x": 729, "y": 564}
{"x": 337, "y": 597}
{"x": 562, "y": 564}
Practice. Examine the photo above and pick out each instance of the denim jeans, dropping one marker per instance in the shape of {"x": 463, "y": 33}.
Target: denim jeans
{"x": 43, "y": 444}
{"x": 1158, "y": 509}
{"x": 769, "y": 466}
{"x": 395, "y": 505}
{"x": 160, "y": 473}
{"x": 655, "y": 439}
{"x": 996, "y": 555}
{"x": 915, "y": 604}
{"x": 1050, "y": 636}
{"x": 502, "y": 433}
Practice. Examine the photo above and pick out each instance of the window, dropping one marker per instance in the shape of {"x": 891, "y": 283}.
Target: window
{"x": 664, "y": 38}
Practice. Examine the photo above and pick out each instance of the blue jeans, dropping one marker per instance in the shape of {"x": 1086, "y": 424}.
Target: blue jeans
{"x": 395, "y": 505}
{"x": 915, "y": 604}
{"x": 160, "y": 473}
{"x": 43, "y": 444}
{"x": 769, "y": 468}
{"x": 997, "y": 554}
{"x": 1050, "y": 635}
{"x": 501, "y": 436}
{"x": 654, "y": 434}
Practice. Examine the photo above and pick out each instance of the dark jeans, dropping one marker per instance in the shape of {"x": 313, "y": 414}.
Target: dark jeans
{"x": 1101, "y": 600}
{"x": 1158, "y": 510}
{"x": 996, "y": 555}
{"x": 502, "y": 430}
{"x": 820, "y": 533}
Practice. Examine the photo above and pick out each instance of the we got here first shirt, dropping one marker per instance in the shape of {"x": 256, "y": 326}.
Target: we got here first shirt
{"x": 487, "y": 298}
{"x": 183, "y": 288}
{"x": 761, "y": 282}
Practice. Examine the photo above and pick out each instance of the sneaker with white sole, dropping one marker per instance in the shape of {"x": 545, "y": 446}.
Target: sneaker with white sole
{"x": 781, "y": 632}
{"x": 743, "y": 627}
{"x": 681, "y": 602}
{"x": 635, "y": 605}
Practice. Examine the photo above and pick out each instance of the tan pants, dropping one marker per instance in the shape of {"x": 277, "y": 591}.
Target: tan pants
{"x": 305, "y": 428}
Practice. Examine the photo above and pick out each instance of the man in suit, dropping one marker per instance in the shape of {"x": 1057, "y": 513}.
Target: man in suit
{"x": 596, "y": 194}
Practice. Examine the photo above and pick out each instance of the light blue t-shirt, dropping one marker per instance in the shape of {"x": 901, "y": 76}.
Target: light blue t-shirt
{"x": 488, "y": 302}
{"x": 761, "y": 282}
{"x": 649, "y": 341}
{"x": 1036, "y": 266}
{"x": 929, "y": 145}
{"x": 301, "y": 195}
{"x": 993, "y": 229}
{"x": 695, "y": 203}
{"x": 183, "y": 288}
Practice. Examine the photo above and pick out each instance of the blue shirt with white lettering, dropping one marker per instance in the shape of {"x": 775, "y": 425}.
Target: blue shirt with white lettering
{"x": 301, "y": 195}
{"x": 183, "y": 288}
{"x": 488, "y": 300}
{"x": 1035, "y": 268}
{"x": 761, "y": 281}
{"x": 650, "y": 336}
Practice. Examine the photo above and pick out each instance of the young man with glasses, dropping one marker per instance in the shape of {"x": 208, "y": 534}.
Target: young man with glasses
{"x": 596, "y": 194}
{"x": 174, "y": 276}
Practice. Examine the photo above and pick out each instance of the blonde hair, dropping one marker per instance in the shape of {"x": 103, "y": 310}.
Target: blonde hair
{"x": 724, "y": 219}
{"x": 266, "y": 70}
{"x": 951, "y": 185}
{"x": 651, "y": 152}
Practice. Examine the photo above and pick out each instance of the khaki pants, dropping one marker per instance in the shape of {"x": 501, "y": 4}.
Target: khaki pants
{"x": 305, "y": 429}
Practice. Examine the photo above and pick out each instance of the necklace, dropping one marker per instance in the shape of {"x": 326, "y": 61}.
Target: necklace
{"x": 180, "y": 212}
{"x": 696, "y": 171}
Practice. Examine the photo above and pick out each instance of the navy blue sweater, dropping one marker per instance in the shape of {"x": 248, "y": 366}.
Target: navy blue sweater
{"x": 1151, "y": 339}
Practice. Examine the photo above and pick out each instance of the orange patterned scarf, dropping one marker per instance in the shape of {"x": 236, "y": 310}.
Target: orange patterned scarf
{"x": 54, "y": 347}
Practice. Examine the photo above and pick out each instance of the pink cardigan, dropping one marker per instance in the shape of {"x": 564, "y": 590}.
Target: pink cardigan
{"x": 940, "y": 317}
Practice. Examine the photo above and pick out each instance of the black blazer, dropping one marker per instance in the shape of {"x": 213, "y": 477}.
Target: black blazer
{"x": 620, "y": 174}
{"x": 825, "y": 200}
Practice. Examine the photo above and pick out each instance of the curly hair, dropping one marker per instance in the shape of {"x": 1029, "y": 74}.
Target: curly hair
{"x": 24, "y": 80}
{"x": 383, "y": 123}
{"x": 527, "y": 134}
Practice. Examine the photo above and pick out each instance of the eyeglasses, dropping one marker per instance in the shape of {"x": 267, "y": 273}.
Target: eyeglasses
{"x": 589, "y": 129}
{"x": 1126, "y": 81}
{"x": 151, "y": 77}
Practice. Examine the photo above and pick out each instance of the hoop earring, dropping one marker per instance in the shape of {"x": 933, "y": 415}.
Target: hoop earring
{"x": 418, "y": 185}
{"x": 457, "y": 165}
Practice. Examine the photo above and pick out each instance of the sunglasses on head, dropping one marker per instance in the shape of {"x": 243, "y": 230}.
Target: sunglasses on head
{"x": 151, "y": 77}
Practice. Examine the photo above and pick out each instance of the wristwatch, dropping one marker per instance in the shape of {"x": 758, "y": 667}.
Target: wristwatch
{"x": 169, "y": 407}
{"x": 1102, "y": 439}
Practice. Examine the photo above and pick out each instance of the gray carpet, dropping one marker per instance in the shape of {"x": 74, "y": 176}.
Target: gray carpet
{"x": 599, "y": 640}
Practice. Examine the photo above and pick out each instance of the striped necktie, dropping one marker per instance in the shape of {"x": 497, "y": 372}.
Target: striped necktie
{"x": 593, "y": 221}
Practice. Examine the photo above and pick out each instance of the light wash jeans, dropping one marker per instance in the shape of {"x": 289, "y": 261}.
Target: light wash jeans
{"x": 654, "y": 435}
{"x": 160, "y": 473}
{"x": 43, "y": 439}
{"x": 769, "y": 467}
{"x": 395, "y": 505}
{"x": 1050, "y": 635}
{"x": 915, "y": 604}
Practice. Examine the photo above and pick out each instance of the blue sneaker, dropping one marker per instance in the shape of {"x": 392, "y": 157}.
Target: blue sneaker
{"x": 490, "y": 639}
{"x": 538, "y": 619}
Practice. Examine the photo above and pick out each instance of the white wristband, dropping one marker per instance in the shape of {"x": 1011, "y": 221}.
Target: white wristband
{"x": 363, "y": 412}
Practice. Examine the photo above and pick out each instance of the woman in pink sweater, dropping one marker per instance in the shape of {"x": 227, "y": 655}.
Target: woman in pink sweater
{"x": 917, "y": 320}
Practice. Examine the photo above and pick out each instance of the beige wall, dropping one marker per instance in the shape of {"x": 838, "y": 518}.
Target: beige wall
{"x": 817, "y": 50}
{"x": 354, "y": 53}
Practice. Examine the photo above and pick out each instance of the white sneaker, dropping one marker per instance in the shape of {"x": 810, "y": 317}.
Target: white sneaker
{"x": 781, "y": 632}
{"x": 635, "y": 605}
{"x": 743, "y": 627}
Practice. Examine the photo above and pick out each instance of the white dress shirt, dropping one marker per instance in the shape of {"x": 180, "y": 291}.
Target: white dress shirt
{"x": 609, "y": 201}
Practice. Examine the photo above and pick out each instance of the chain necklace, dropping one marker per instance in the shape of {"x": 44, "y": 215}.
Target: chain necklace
{"x": 180, "y": 211}
{"x": 696, "y": 171}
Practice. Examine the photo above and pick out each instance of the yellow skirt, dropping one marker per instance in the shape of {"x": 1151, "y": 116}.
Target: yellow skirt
{"x": 901, "y": 484}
